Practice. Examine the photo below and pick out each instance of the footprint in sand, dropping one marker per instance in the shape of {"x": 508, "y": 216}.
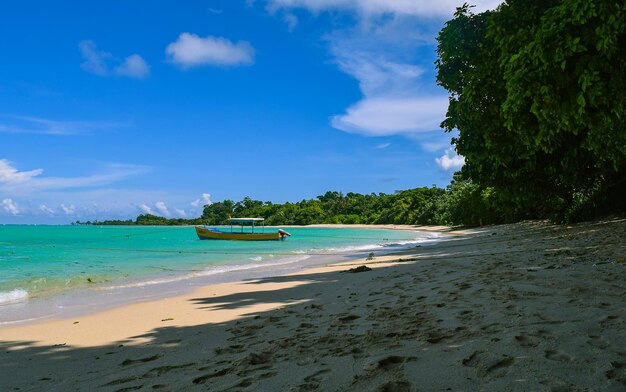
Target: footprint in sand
{"x": 396, "y": 386}
{"x": 161, "y": 370}
{"x": 232, "y": 349}
{"x": 555, "y": 355}
{"x": 597, "y": 341}
{"x": 488, "y": 364}
{"x": 608, "y": 320}
{"x": 128, "y": 389}
{"x": 393, "y": 361}
{"x": 617, "y": 372}
{"x": 141, "y": 360}
{"x": 436, "y": 336}
{"x": 557, "y": 385}
{"x": 314, "y": 380}
{"x": 348, "y": 318}
{"x": 119, "y": 381}
{"x": 527, "y": 341}
{"x": 259, "y": 358}
{"x": 204, "y": 378}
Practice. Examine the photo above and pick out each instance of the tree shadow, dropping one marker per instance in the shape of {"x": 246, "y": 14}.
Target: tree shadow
{"x": 216, "y": 355}
{"x": 311, "y": 329}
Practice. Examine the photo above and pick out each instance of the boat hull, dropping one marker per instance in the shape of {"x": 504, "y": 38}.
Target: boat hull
{"x": 208, "y": 234}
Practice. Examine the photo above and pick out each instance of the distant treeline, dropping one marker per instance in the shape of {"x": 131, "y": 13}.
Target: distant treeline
{"x": 460, "y": 203}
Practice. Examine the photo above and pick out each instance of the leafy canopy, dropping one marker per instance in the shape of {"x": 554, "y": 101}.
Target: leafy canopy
{"x": 538, "y": 95}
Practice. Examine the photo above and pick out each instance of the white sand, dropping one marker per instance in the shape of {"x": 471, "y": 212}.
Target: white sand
{"x": 517, "y": 307}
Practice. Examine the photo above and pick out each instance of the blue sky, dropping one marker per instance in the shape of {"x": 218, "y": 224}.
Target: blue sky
{"x": 113, "y": 108}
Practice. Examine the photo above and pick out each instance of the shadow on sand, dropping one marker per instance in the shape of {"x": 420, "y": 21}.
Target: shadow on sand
{"x": 464, "y": 315}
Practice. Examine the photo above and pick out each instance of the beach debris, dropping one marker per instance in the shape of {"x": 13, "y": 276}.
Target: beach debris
{"x": 362, "y": 268}
{"x": 89, "y": 280}
{"x": 371, "y": 256}
{"x": 75, "y": 322}
{"x": 167, "y": 319}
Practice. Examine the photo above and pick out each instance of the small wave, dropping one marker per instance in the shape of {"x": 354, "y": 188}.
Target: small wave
{"x": 354, "y": 248}
{"x": 206, "y": 272}
{"x": 13, "y": 296}
{"x": 257, "y": 258}
{"x": 422, "y": 240}
{"x": 430, "y": 239}
{"x": 242, "y": 267}
{"x": 21, "y": 321}
{"x": 147, "y": 282}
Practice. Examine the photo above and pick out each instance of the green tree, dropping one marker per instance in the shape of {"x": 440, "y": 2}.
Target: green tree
{"x": 538, "y": 97}
{"x": 218, "y": 213}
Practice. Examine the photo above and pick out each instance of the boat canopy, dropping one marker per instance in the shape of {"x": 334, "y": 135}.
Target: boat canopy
{"x": 246, "y": 220}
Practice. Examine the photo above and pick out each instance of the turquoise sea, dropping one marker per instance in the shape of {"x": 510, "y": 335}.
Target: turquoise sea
{"x": 41, "y": 262}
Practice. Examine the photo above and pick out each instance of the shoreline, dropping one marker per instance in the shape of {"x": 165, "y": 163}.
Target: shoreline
{"x": 81, "y": 301}
{"x": 528, "y": 306}
{"x": 54, "y": 325}
{"x": 87, "y": 334}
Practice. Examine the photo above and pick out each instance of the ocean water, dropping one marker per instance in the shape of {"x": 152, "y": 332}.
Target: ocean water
{"x": 44, "y": 262}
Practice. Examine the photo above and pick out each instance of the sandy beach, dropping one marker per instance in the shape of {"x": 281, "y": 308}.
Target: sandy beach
{"x": 529, "y": 306}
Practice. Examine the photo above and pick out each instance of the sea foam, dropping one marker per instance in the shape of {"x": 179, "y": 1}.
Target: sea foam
{"x": 209, "y": 271}
{"x": 13, "y": 296}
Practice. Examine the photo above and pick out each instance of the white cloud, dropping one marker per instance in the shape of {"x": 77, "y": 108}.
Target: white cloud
{"x": 436, "y": 145}
{"x": 384, "y": 51}
{"x": 133, "y": 66}
{"x": 291, "y": 20}
{"x": 9, "y": 174}
{"x": 180, "y": 212}
{"x": 37, "y": 125}
{"x": 102, "y": 63}
{"x": 10, "y": 206}
{"x": 383, "y": 116}
{"x": 202, "y": 201}
{"x": 420, "y": 8}
{"x": 450, "y": 161}
{"x": 14, "y": 181}
{"x": 395, "y": 98}
{"x": 382, "y": 146}
{"x": 162, "y": 208}
{"x": 146, "y": 209}
{"x": 68, "y": 210}
{"x": 95, "y": 60}
{"x": 46, "y": 210}
{"x": 190, "y": 50}
{"x": 377, "y": 75}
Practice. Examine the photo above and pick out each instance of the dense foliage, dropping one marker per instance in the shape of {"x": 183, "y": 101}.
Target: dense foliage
{"x": 460, "y": 203}
{"x": 538, "y": 95}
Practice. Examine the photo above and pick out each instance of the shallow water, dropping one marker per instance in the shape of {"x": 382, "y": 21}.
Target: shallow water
{"x": 51, "y": 262}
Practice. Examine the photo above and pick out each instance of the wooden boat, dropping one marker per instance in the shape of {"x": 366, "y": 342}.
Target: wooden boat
{"x": 211, "y": 233}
